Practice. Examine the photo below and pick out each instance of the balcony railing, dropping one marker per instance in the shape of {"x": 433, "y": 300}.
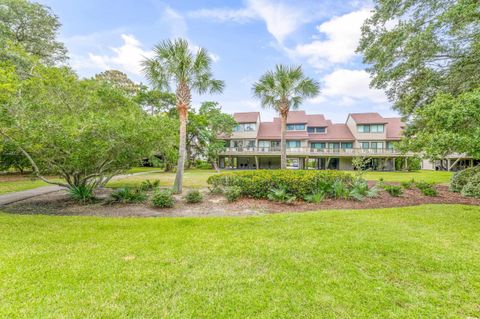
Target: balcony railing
{"x": 311, "y": 151}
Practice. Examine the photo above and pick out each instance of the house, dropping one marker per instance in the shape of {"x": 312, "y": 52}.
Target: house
{"x": 314, "y": 142}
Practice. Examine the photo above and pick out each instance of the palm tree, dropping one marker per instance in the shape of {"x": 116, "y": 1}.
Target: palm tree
{"x": 282, "y": 90}
{"x": 174, "y": 64}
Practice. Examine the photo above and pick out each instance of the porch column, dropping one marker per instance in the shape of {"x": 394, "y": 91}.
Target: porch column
{"x": 471, "y": 162}
{"x": 406, "y": 163}
{"x": 393, "y": 164}
{"x": 306, "y": 162}
{"x": 448, "y": 164}
{"x": 256, "y": 162}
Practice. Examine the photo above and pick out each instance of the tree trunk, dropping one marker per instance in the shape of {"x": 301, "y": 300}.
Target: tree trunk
{"x": 215, "y": 166}
{"x": 283, "y": 142}
{"x": 183, "y": 98}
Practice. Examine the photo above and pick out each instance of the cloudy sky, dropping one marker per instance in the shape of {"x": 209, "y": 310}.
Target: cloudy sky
{"x": 245, "y": 38}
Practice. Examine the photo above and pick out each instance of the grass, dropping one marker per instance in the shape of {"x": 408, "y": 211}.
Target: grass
{"x": 143, "y": 169}
{"x": 416, "y": 262}
{"x": 437, "y": 177}
{"x": 198, "y": 178}
{"x": 195, "y": 178}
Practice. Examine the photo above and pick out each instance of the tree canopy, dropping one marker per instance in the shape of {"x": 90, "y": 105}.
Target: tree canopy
{"x": 83, "y": 130}
{"x": 34, "y": 27}
{"x": 416, "y": 49}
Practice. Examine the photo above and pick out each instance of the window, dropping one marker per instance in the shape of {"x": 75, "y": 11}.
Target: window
{"x": 295, "y": 127}
{"x": 245, "y": 127}
{"x": 370, "y": 128}
{"x": 347, "y": 145}
{"x": 250, "y": 143}
{"x": 263, "y": 143}
{"x": 390, "y": 145}
{"x": 293, "y": 144}
{"x": 376, "y": 145}
{"x": 334, "y": 145}
{"x": 363, "y": 128}
{"x": 316, "y": 130}
{"x": 317, "y": 145}
{"x": 365, "y": 145}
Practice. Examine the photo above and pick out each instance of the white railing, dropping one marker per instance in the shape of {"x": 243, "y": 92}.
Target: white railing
{"x": 312, "y": 151}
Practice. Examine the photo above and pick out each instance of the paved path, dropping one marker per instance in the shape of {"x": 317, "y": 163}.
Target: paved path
{"x": 10, "y": 198}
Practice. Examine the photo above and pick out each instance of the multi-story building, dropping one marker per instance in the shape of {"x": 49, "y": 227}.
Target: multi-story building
{"x": 314, "y": 142}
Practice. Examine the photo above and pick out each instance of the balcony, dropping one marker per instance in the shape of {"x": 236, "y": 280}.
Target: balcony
{"x": 304, "y": 151}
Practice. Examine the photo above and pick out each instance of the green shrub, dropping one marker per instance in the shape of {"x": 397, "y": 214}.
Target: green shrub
{"x": 203, "y": 165}
{"x": 315, "y": 197}
{"x": 427, "y": 189}
{"x": 408, "y": 184}
{"x": 193, "y": 196}
{"x": 163, "y": 198}
{"x": 340, "y": 190}
{"x": 128, "y": 195}
{"x": 216, "y": 190}
{"x": 394, "y": 190}
{"x": 82, "y": 193}
{"x": 233, "y": 193}
{"x": 360, "y": 190}
{"x": 460, "y": 179}
{"x": 149, "y": 185}
{"x": 281, "y": 195}
{"x": 299, "y": 183}
{"x": 472, "y": 188}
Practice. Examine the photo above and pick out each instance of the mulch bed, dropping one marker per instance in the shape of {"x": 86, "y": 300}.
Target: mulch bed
{"x": 216, "y": 205}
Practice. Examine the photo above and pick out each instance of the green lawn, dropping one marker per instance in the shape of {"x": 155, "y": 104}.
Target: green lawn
{"x": 417, "y": 262}
{"x": 437, "y": 177}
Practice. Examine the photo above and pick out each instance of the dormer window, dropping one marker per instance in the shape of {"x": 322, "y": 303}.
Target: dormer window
{"x": 370, "y": 128}
{"x": 295, "y": 127}
{"x": 317, "y": 130}
{"x": 245, "y": 127}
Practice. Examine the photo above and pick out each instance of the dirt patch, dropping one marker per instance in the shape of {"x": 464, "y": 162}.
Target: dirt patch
{"x": 58, "y": 203}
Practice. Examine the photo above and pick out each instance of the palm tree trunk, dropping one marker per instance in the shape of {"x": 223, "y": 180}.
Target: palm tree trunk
{"x": 283, "y": 142}
{"x": 183, "y": 98}
{"x": 182, "y": 150}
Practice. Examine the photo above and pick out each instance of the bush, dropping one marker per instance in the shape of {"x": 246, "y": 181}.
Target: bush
{"x": 281, "y": 195}
{"x": 408, "y": 184}
{"x": 472, "y": 188}
{"x": 216, "y": 190}
{"x": 149, "y": 185}
{"x": 360, "y": 190}
{"x": 163, "y": 198}
{"x": 193, "y": 196}
{"x": 203, "y": 165}
{"x": 340, "y": 190}
{"x": 460, "y": 179}
{"x": 427, "y": 189}
{"x": 128, "y": 195}
{"x": 299, "y": 183}
{"x": 81, "y": 193}
{"x": 233, "y": 193}
{"x": 394, "y": 190}
{"x": 316, "y": 197}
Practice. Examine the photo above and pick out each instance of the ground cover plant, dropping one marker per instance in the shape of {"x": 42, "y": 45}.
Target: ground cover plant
{"x": 427, "y": 189}
{"x": 128, "y": 195}
{"x": 402, "y": 262}
{"x": 163, "y": 198}
{"x": 394, "y": 190}
{"x": 193, "y": 196}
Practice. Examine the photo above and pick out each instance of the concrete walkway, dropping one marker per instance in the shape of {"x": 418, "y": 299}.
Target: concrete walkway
{"x": 14, "y": 197}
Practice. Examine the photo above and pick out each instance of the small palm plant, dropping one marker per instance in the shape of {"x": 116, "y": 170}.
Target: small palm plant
{"x": 174, "y": 63}
{"x": 283, "y": 89}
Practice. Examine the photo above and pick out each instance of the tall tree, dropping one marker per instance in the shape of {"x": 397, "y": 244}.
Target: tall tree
{"x": 174, "y": 63}
{"x": 118, "y": 80}
{"x": 155, "y": 101}
{"x": 419, "y": 48}
{"x": 34, "y": 27}
{"x": 283, "y": 89}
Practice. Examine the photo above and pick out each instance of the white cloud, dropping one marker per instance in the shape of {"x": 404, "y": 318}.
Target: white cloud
{"x": 175, "y": 22}
{"x": 127, "y": 57}
{"x": 351, "y": 85}
{"x": 280, "y": 18}
{"x": 341, "y": 39}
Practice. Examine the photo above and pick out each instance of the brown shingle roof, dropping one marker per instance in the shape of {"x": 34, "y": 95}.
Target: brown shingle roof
{"x": 246, "y": 117}
{"x": 335, "y": 132}
{"x": 296, "y": 117}
{"x": 394, "y": 128}
{"x": 368, "y": 118}
{"x": 269, "y": 130}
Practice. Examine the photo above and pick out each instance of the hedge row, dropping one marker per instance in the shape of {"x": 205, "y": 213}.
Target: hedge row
{"x": 299, "y": 183}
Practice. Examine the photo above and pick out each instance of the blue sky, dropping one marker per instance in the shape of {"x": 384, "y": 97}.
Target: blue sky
{"x": 245, "y": 39}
